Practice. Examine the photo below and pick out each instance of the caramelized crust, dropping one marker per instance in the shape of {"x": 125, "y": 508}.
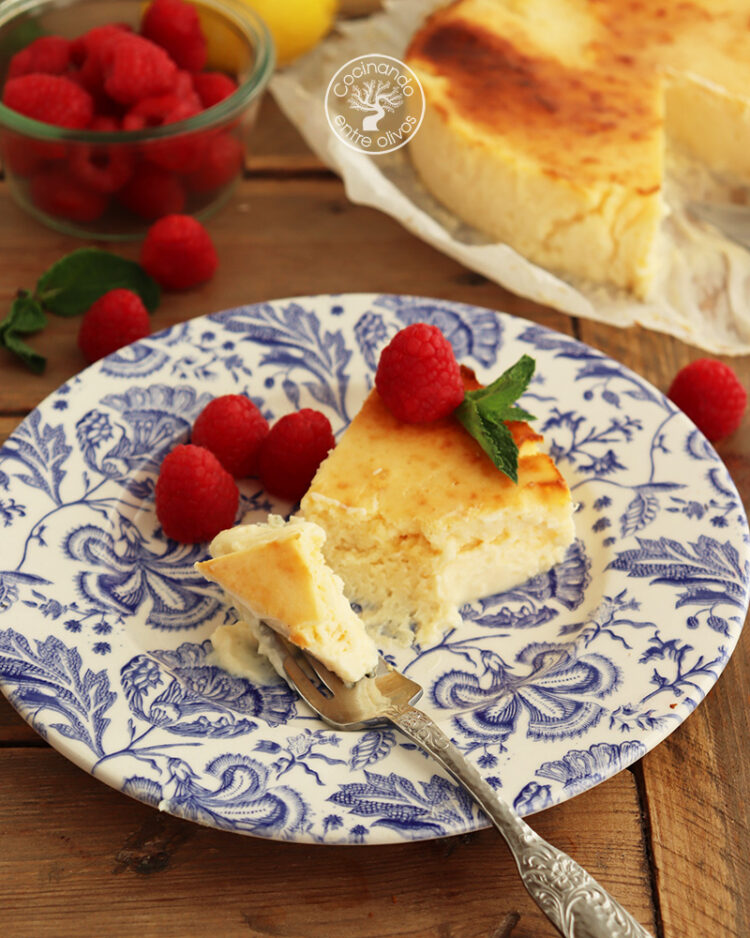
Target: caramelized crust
{"x": 259, "y": 570}
{"x": 571, "y": 110}
{"x": 504, "y": 66}
{"x": 418, "y": 474}
{"x": 496, "y": 84}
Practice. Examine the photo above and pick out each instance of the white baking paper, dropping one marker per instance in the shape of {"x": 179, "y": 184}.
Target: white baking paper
{"x": 703, "y": 290}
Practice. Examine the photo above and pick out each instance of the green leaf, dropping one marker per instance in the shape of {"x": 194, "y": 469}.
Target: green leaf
{"x": 77, "y": 281}
{"x": 484, "y": 412}
{"x": 508, "y": 387}
{"x": 518, "y": 413}
{"x": 28, "y": 356}
{"x": 25, "y": 316}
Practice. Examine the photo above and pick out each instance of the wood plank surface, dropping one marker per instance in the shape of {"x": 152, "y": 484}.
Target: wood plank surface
{"x": 276, "y": 238}
{"x": 7, "y": 426}
{"x": 696, "y": 783}
{"x": 276, "y": 147}
{"x": 81, "y": 859}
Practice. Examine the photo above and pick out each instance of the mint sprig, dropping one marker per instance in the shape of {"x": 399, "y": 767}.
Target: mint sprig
{"x": 484, "y": 412}
{"x": 25, "y": 317}
{"x": 69, "y": 288}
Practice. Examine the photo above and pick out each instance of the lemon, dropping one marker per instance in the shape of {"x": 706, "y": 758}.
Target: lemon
{"x": 295, "y": 25}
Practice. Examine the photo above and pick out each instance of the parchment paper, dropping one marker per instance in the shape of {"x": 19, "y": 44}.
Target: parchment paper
{"x": 702, "y": 294}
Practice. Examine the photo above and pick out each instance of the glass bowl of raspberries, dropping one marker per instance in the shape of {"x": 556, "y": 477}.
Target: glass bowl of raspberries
{"x": 114, "y": 113}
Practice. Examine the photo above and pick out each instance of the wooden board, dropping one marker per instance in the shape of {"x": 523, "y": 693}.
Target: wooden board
{"x": 277, "y": 238}
{"x": 696, "y": 783}
{"x": 81, "y": 859}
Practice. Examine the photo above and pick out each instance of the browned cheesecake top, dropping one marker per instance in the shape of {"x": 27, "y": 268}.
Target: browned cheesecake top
{"x": 577, "y": 84}
{"x": 415, "y": 474}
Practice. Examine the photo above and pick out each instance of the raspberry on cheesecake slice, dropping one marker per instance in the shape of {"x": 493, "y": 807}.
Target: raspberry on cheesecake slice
{"x": 275, "y": 573}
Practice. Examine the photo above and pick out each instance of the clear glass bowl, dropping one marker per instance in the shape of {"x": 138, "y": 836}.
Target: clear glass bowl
{"x": 190, "y": 166}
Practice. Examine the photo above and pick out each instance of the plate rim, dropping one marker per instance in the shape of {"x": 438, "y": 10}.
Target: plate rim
{"x": 62, "y": 745}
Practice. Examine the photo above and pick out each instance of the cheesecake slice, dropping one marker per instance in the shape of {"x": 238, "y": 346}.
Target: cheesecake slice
{"x": 275, "y": 574}
{"x": 547, "y": 121}
{"x": 419, "y": 521}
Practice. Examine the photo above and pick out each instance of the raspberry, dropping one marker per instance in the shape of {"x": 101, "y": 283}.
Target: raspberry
{"x": 291, "y": 453}
{"x": 51, "y": 99}
{"x": 105, "y": 124}
{"x": 184, "y": 88}
{"x": 157, "y": 111}
{"x": 88, "y": 51}
{"x": 213, "y": 87}
{"x": 93, "y": 41}
{"x": 55, "y": 192}
{"x": 233, "y": 429}
{"x": 418, "y": 376}
{"x": 223, "y": 159}
{"x": 135, "y": 68}
{"x": 103, "y": 106}
{"x": 195, "y": 496}
{"x": 178, "y": 252}
{"x": 153, "y": 193}
{"x": 175, "y": 26}
{"x": 103, "y": 169}
{"x": 184, "y": 153}
{"x": 115, "y": 319}
{"x": 710, "y": 393}
{"x": 48, "y": 55}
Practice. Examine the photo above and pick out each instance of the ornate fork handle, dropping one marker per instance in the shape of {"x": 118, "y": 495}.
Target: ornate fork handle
{"x": 570, "y": 898}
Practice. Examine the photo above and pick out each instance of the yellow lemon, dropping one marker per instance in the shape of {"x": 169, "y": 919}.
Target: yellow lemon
{"x": 295, "y": 25}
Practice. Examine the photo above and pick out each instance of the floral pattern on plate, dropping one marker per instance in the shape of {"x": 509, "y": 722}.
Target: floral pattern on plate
{"x": 548, "y": 689}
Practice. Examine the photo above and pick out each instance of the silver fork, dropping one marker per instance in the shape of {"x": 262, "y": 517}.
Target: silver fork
{"x": 570, "y": 898}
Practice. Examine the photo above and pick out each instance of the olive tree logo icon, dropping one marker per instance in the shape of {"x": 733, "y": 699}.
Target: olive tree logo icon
{"x": 375, "y": 96}
{"x": 383, "y": 89}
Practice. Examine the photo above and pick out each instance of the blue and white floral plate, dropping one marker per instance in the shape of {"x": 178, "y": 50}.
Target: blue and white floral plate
{"x": 548, "y": 689}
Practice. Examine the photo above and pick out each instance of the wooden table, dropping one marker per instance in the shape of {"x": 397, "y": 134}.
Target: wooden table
{"x": 669, "y": 836}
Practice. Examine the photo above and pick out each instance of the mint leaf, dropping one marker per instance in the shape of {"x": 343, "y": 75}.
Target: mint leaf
{"x": 508, "y": 387}
{"x": 484, "y": 412}
{"x": 77, "y": 281}
{"x": 33, "y": 360}
{"x": 497, "y": 441}
{"x": 25, "y": 316}
{"x": 518, "y": 413}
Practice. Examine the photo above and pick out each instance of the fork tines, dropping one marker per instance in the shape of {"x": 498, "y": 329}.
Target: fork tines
{"x": 307, "y": 673}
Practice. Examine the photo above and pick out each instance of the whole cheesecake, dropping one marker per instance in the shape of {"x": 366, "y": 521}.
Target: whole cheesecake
{"x": 546, "y": 120}
{"x": 419, "y": 521}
